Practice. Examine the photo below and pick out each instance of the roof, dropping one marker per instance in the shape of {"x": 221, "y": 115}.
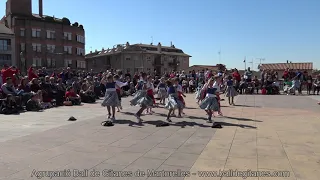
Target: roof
{"x": 5, "y": 30}
{"x": 138, "y": 48}
{"x": 284, "y": 66}
{"x": 202, "y": 67}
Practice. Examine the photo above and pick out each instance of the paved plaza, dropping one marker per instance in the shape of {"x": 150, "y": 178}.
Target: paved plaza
{"x": 273, "y": 134}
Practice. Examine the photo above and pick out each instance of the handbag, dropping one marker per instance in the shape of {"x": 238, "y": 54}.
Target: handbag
{"x": 67, "y": 102}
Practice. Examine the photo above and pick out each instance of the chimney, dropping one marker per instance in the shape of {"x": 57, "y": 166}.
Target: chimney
{"x": 90, "y": 52}
{"x": 102, "y": 49}
{"x": 287, "y": 61}
{"x": 159, "y": 47}
{"x": 171, "y": 44}
{"x": 40, "y": 8}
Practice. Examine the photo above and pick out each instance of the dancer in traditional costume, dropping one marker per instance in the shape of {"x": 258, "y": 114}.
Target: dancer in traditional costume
{"x": 119, "y": 85}
{"x": 210, "y": 103}
{"x": 141, "y": 97}
{"x": 150, "y": 92}
{"x": 180, "y": 93}
{"x": 217, "y": 85}
{"x": 162, "y": 91}
{"x": 198, "y": 93}
{"x": 111, "y": 100}
{"x": 173, "y": 101}
{"x": 230, "y": 91}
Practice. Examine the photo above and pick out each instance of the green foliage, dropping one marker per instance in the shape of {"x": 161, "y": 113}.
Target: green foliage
{"x": 66, "y": 21}
{"x": 76, "y": 24}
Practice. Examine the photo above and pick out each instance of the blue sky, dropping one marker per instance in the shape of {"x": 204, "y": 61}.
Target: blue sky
{"x": 277, "y": 30}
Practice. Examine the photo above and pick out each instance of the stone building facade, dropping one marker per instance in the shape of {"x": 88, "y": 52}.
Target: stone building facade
{"x": 7, "y": 46}
{"x": 139, "y": 57}
{"x": 44, "y": 41}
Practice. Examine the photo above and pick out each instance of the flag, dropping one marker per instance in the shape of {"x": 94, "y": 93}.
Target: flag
{"x": 244, "y": 59}
{"x": 219, "y": 52}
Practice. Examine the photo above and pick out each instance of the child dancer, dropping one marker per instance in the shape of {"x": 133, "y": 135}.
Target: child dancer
{"x": 119, "y": 85}
{"x": 210, "y": 103}
{"x": 141, "y": 97}
{"x": 180, "y": 93}
{"x": 216, "y": 85}
{"x": 173, "y": 101}
{"x": 230, "y": 91}
{"x": 162, "y": 91}
{"x": 111, "y": 100}
{"x": 150, "y": 92}
{"x": 198, "y": 93}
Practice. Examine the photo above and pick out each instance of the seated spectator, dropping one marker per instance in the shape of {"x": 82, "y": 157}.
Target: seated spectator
{"x": 87, "y": 95}
{"x": 61, "y": 90}
{"x": 72, "y": 96}
{"x": 33, "y": 104}
{"x": 9, "y": 105}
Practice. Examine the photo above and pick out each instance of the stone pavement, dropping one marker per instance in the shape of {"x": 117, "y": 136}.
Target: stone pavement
{"x": 265, "y": 133}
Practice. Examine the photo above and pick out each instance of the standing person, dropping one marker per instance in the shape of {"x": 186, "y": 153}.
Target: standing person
{"x": 111, "y": 100}
{"x": 150, "y": 92}
{"x": 141, "y": 98}
{"x": 119, "y": 85}
{"x": 162, "y": 91}
{"x": 180, "y": 93}
{"x": 210, "y": 103}
{"x": 173, "y": 101}
{"x": 230, "y": 91}
{"x": 309, "y": 84}
{"x": 217, "y": 85}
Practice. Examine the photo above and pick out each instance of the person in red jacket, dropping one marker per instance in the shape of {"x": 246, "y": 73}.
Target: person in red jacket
{"x": 8, "y": 72}
{"x": 31, "y": 74}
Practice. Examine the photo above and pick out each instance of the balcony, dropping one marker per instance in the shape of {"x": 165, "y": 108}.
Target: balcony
{"x": 6, "y": 48}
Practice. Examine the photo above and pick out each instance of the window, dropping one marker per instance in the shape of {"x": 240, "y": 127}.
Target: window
{"x": 22, "y": 32}
{"x": 128, "y": 58}
{"x": 51, "y": 34}
{"x": 5, "y": 44}
{"x": 81, "y": 64}
{"x": 165, "y": 58}
{"x": 5, "y": 59}
{"x": 148, "y": 69}
{"x": 67, "y": 62}
{"x": 68, "y": 49}
{"x": 128, "y": 70}
{"x": 51, "y": 48}
{"x": 165, "y": 70}
{"x": 51, "y": 62}
{"x": 67, "y": 36}
{"x": 36, "y": 33}
{"x": 148, "y": 58}
{"x": 80, "y": 52}
{"x": 36, "y": 47}
{"x": 80, "y": 39}
{"x": 37, "y": 62}
{"x": 22, "y": 47}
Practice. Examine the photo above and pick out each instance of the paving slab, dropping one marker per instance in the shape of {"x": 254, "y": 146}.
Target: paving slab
{"x": 275, "y": 134}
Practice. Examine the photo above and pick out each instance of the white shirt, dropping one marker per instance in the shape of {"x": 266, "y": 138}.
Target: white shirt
{"x": 217, "y": 86}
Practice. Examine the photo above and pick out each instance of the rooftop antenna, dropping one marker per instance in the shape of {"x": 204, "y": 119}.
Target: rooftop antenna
{"x": 260, "y": 60}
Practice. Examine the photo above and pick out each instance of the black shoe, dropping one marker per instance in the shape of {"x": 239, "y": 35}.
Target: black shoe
{"x": 72, "y": 119}
{"x": 215, "y": 125}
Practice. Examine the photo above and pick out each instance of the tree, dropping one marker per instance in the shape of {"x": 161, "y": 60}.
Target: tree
{"x": 76, "y": 24}
{"x": 81, "y": 26}
{"x": 66, "y": 21}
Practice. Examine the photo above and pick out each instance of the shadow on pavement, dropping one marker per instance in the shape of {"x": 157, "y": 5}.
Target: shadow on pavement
{"x": 242, "y": 105}
{"x": 239, "y": 125}
{"x": 242, "y": 119}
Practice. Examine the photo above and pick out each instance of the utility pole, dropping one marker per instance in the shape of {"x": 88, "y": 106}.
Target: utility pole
{"x": 251, "y": 62}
